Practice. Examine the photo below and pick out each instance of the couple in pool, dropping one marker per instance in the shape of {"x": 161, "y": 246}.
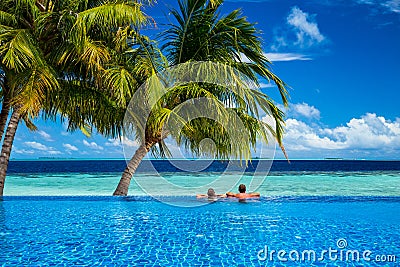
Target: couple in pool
{"x": 241, "y": 195}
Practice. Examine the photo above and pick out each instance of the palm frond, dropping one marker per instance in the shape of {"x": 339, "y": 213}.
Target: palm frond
{"x": 33, "y": 85}
{"x": 18, "y": 49}
{"x": 94, "y": 55}
{"x": 121, "y": 83}
{"x": 7, "y": 19}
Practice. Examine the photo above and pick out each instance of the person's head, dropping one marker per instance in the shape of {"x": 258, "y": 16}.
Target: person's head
{"x": 211, "y": 193}
{"x": 242, "y": 188}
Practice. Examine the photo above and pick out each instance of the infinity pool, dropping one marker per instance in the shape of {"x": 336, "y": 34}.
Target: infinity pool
{"x": 140, "y": 231}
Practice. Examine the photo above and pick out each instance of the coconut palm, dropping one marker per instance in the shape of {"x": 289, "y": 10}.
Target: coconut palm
{"x": 98, "y": 100}
{"x": 27, "y": 76}
{"x": 201, "y": 34}
{"x": 50, "y": 50}
{"x": 5, "y": 100}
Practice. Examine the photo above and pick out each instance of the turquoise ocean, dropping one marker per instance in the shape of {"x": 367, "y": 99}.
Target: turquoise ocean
{"x": 297, "y": 178}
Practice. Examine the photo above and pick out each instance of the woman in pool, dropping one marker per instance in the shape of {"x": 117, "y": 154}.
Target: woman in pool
{"x": 242, "y": 193}
{"x": 211, "y": 195}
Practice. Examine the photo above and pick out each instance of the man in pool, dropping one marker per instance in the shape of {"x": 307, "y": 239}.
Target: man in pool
{"x": 211, "y": 195}
{"x": 242, "y": 193}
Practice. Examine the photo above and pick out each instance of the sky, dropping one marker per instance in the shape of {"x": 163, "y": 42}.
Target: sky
{"x": 340, "y": 60}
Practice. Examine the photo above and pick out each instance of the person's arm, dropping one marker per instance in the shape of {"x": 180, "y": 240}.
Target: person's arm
{"x": 222, "y": 196}
{"x": 255, "y": 194}
{"x": 230, "y": 194}
{"x": 201, "y": 195}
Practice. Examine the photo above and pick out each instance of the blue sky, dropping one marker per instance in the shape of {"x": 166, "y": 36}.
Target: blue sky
{"x": 340, "y": 59}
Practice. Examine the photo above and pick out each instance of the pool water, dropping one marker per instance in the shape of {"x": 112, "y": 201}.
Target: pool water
{"x": 140, "y": 231}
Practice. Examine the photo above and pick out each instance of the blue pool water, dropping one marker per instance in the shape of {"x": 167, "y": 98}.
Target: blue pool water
{"x": 139, "y": 231}
{"x": 59, "y": 213}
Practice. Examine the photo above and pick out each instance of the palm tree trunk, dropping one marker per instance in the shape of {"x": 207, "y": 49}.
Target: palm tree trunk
{"x": 5, "y": 109}
{"x": 123, "y": 185}
{"x": 7, "y": 146}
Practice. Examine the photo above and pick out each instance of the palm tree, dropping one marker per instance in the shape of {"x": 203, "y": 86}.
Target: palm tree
{"x": 97, "y": 99}
{"x": 53, "y": 49}
{"x": 5, "y": 100}
{"x": 102, "y": 65}
{"x": 201, "y": 34}
{"x": 27, "y": 76}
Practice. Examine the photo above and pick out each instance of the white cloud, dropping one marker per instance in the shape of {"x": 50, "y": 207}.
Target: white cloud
{"x": 301, "y": 31}
{"x": 279, "y": 41}
{"x": 41, "y": 147}
{"x": 45, "y": 136}
{"x": 92, "y": 145}
{"x": 305, "y": 110}
{"x": 23, "y": 151}
{"x": 275, "y": 57}
{"x": 269, "y": 120}
{"x": 387, "y": 5}
{"x": 369, "y": 132}
{"x": 70, "y": 147}
{"x": 129, "y": 143}
{"x": 267, "y": 85}
{"x": 122, "y": 148}
{"x": 365, "y": 133}
{"x": 114, "y": 142}
{"x": 369, "y": 2}
{"x": 393, "y": 5}
{"x": 300, "y": 110}
{"x": 307, "y": 30}
{"x": 301, "y": 136}
{"x": 37, "y": 146}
